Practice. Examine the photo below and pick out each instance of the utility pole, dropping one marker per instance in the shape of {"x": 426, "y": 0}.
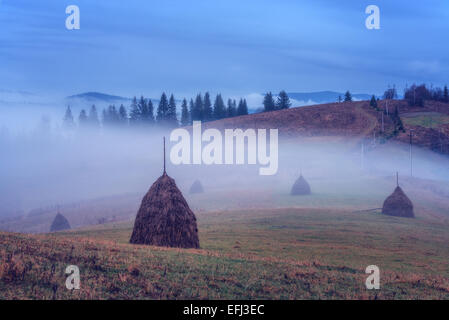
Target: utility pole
{"x": 383, "y": 122}
{"x": 414, "y": 95}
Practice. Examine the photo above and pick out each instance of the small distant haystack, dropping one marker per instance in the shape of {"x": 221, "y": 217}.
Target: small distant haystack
{"x": 59, "y": 223}
{"x": 300, "y": 187}
{"x": 196, "y": 187}
{"x": 164, "y": 218}
{"x": 398, "y": 204}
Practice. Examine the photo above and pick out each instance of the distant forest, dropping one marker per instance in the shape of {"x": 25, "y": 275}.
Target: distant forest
{"x": 141, "y": 112}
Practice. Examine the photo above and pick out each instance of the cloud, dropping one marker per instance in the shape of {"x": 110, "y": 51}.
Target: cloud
{"x": 428, "y": 67}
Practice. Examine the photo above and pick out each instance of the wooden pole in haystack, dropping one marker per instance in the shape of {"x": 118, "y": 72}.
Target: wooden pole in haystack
{"x": 164, "y": 158}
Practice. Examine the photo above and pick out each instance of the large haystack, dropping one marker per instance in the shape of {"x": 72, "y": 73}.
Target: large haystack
{"x": 196, "y": 187}
{"x": 300, "y": 187}
{"x": 164, "y": 218}
{"x": 398, "y": 205}
{"x": 59, "y": 223}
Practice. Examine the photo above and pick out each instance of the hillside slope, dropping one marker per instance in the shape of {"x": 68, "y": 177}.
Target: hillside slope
{"x": 353, "y": 119}
{"x": 250, "y": 254}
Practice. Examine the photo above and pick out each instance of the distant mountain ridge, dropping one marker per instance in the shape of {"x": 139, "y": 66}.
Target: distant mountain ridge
{"x": 97, "y": 96}
{"x": 325, "y": 96}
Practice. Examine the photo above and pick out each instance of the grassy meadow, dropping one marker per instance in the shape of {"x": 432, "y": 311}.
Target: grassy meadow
{"x": 289, "y": 253}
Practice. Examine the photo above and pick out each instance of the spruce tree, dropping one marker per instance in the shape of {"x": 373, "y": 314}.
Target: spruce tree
{"x": 283, "y": 101}
{"x": 231, "y": 110}
{"x": 446, "y": 94}
{"x": 172, "y": 117}
{"x": 93, "y": 120}
{"x": 373, "y": 102}
{"x": 197, "y": 111}
{"x": 82, "y": 119}
{"x": 104, "y": 118}
{"x": 146, "y": 111}
{"x": 219, "y": 108}
{"x": 268, "y": 102}
{"x": 191, "y": 110}
{"x": 150, "y": 111}
{"x": 123, "y": 115}
{"x": 143, "y": 109}
{"x": 207, "y": 108}
{"x": 348, "y": 96}
{"x": 68, "y": 119}
{"x": 134, "y": 113}
{"x": 242, "y": 109}
{"x": 162, "y": 110}
{"x": 112, "y": 115}
{"x": 185, "y": 119}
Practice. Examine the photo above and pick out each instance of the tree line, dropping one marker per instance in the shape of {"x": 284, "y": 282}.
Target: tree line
{"x": 415, "y": 95}
{"x": 141, "y": 112}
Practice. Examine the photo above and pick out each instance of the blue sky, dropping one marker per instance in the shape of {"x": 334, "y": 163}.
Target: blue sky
{"x": 235, "y": 47}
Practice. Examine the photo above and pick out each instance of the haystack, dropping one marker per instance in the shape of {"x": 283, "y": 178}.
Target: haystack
{"x": 300, "y": 187}
{"x": 398, "y": 205}
{"x": 164, "y": 218}
{"x": 59, "y": 223}
{"x": 196, "y": 187}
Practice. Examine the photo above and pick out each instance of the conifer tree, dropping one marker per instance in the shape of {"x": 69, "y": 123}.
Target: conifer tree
{"x": 68, "y": 119}
{"x": 242, "y": 109}
{"x": 134, "y": 113}
{"x": 104, "y": 118}
{"x": 348, "y": 96}
{"x": 185, "y": 118}
{"x": 191, "y": 110}
{"x": 373, "y": 102}
{"x": 82, "y": 119}
{"x": 231, "y": 110}
{"x": 446, "y": 94}
{"x": 219, "y": 108}
{"x": 143, "y": 110}
{"x": 162, "y": 110}
{"x": 123, "y": 115}
{"x": 111, "y": 116}
{"x": 207, "y": 108}
{"x": 145, "y": 107}
{"x": 150, "y": 111}
{"x": 197, "y": 111}
{"x": 283, "y": 101}
{"x": 93, "y": 120}
{"x": 268, "y": 102}
{"x": 172, "y": 117}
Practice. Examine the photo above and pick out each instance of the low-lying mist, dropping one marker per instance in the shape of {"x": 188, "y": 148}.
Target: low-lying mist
{"x": 50, "y": 166}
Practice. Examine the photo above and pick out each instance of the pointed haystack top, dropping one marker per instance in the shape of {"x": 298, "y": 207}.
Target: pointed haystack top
{"x": 300, "y": 187}
{"x": 196, "y": 187}
{"x": 59, "y": 223}
{"x": 164, "y": 218}
{"x": 398, "y": 204}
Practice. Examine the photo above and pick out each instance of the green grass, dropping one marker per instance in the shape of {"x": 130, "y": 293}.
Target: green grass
{"x": 245, "y": 254}
{"x": 425, "y": 119}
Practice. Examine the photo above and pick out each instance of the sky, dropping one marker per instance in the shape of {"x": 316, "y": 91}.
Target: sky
{"x": 236, "y": 47}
